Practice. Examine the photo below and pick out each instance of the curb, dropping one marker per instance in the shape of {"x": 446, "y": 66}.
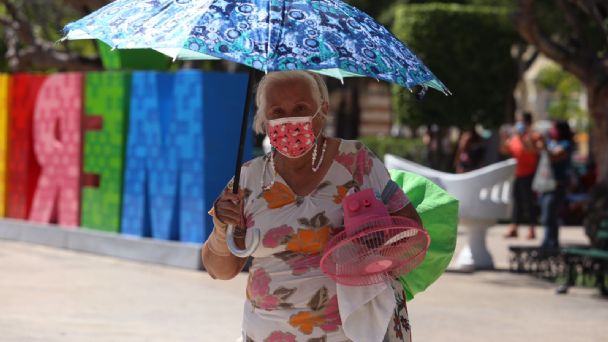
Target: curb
{"x": 169, "y": 253}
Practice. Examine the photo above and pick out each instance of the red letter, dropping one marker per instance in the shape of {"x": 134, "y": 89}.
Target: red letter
{"x": 23, "y": 169}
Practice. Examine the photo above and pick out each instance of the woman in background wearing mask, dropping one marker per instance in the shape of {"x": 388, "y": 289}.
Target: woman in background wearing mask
{"x": 293, "y": 196}
{"x": 524, "y": 146}
{"x": 559, "y": 146}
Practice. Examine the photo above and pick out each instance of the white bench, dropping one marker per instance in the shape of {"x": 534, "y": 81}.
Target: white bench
{"x": 484, "y": 195}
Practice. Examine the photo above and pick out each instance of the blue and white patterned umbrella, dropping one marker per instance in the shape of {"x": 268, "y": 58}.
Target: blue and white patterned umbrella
{"x": 326, "y": 36}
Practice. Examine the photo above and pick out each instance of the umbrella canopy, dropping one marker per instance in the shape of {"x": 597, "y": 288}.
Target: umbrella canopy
{"x": 325, "y": 36}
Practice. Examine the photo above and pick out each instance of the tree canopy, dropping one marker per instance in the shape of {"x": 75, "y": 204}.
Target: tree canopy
{"x": 566, "y": 91}
{"x": 31, "y": 29}
{"x": 574, "y": 34}
{"x": 468, "y": 47}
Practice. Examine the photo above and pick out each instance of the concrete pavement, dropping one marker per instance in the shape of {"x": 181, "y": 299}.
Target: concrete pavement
{"x": 49, "y": 294}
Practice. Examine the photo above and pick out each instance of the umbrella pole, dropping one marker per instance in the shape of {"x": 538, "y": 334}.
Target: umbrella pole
{"x": 255, "y": 233}
{"x": 244, "y": 124}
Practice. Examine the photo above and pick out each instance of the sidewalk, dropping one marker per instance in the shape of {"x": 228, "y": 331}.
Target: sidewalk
{"x": 48, "y": 294}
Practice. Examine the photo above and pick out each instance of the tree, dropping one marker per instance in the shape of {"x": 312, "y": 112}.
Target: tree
{"x": 574, "y": 34}
{"x": 373, "y": 8}
{"x": 566, "y": 90}
{"x": 469, "y": 48}
{"x": 31, "y": 29}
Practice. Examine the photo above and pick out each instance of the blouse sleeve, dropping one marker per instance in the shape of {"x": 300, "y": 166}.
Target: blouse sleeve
{"x": 378, "y": 177}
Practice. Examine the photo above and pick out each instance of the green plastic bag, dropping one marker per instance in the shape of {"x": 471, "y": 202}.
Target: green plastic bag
{"x": 439, "y": 213}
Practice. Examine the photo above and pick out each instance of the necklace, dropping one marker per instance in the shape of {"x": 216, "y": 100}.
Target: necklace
{"x": 314, "y": 156}
{"x": 269, "y": 159}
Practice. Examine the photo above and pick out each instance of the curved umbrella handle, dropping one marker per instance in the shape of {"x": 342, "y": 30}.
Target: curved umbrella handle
{"x": 242, "y": 253}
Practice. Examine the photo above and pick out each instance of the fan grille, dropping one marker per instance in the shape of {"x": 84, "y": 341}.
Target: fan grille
{"x": 379, "y": 250}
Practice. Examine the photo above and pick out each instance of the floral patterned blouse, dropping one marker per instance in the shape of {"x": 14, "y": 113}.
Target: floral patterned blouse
{"x": 288, "y": 297}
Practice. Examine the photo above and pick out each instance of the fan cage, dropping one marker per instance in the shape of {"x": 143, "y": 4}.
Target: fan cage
{"x": 379, "y": 250}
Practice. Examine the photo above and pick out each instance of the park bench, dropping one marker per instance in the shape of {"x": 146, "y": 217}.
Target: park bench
{"x": 585, "y": 263}
{"x": 541, "y": 262}
{"x": 484, "y": 196}
{"x": 572, "y": 264}
{"x": 588, "y": 262}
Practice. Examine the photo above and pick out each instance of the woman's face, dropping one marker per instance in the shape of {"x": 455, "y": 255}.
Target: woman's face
{"x": 292, "y": 98}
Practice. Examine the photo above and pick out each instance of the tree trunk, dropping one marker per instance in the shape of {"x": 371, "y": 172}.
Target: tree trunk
{"x": 598, "y": 109}
{"x": 597, "y": 210}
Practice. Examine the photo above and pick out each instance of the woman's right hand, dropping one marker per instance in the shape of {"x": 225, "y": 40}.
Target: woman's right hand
{"x": 228, "y": 208}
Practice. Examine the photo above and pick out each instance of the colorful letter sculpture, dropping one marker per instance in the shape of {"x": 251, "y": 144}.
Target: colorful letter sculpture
{"x": 223, "y": 101}
{"x": 168, "y": 167}
{"x": 150, "y": 191}
{"x": 104, "y": 126}
{"x": 57, "y": 146}
{"x": 23, "y": 169}
{"x": 143, "y": 154}
{"x": 4, "y": 86}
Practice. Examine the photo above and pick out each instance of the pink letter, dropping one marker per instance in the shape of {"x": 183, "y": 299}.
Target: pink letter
{"x": 57, "y": 145}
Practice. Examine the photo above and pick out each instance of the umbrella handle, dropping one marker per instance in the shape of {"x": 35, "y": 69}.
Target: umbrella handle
{"x": 242, "y": 253}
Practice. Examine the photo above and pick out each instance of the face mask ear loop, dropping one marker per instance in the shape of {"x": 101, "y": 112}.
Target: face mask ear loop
{"x": 312, "y": 119}
{"x": 317, "y": 113}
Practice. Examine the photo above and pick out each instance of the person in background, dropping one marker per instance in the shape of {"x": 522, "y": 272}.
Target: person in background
{"x": 559, "y": 146}
{"x": 523, "y": 145}
{"x": 471, "y": 152}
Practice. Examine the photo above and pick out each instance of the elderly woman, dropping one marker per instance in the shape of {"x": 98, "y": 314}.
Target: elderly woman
{"x": 293, "y": 195}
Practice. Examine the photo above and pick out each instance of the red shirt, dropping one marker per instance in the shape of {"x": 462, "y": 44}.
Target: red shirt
{"x": 526, "y": 159}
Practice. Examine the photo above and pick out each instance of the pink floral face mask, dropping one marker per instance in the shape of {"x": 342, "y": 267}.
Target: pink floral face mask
{"x": 292, "y": 137}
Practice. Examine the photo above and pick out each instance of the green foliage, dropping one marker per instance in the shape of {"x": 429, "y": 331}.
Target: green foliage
{"x": 373, "y": 8}
{"x": 46, "y": 17}
{"x": 566, "y": 91}
{"x": 412, "y": 149}
{"x": 553, "y": 23}
{"x": 498, "y": 3}
{"x": 469, "y": 48}
{"x": 3, "y": 62}
{"x": 45, "y": 20}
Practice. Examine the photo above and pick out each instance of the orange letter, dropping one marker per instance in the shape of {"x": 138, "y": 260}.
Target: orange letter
{"x": 3, "y": 139}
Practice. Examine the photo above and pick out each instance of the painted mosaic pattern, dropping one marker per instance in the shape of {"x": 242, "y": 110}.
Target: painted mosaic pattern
{"x": 107, "y": 98}
{"x": 328, "y": 36}
{"x": 23, "y": 169}
{"x": 4, "y": 81}
{"x": 171, "y": 138}
{"x": 57, "y": 145}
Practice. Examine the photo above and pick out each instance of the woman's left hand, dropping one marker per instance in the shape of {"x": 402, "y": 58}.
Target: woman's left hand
{"x": 228, "y": 208}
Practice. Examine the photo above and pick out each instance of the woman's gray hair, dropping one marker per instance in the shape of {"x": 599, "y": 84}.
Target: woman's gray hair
{"x": 317, "y": 87}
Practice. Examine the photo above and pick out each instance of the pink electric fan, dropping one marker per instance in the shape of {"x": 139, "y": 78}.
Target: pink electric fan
{"x": 374, "y": 246}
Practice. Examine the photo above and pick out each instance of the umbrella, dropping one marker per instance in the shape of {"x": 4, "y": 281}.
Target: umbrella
{"x": 325, "y": 36}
